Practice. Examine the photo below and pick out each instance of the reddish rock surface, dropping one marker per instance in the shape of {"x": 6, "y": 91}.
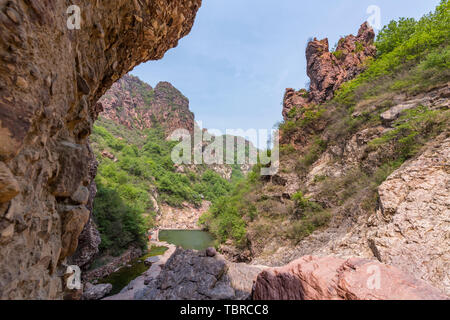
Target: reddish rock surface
{"x": 331, "y": 278}
{"x": 328, "y": 70}
{"x": 136, "y": 105}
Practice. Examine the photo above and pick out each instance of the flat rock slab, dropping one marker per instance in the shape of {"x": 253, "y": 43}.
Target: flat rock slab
{"x": 332, "y": 278}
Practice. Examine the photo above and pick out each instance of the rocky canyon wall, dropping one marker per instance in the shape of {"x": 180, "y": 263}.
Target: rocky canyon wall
{"x": 50, "y": 80}
{"x": 383, "y": 206}
{"x": 137, "y": 105}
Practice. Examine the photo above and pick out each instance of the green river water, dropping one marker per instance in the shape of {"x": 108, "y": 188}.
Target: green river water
{"x": 187, "y": 239}
{"x": 125, "y": 275}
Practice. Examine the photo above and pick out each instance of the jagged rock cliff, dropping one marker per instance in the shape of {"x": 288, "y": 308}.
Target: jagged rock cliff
{"x": 89, "y": 239}
{"x": 50, "y": 80}
{"x": 411, "y": 225}
{"x": 137, "y": 105}
{"x": 329, "y": 70}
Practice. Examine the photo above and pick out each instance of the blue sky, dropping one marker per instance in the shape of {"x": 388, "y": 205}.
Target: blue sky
{"x": 241, "y": 55}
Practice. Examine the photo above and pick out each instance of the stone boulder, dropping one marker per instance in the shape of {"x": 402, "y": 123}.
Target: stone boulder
{"x": 97, "y": 292}
{"x": 331, "y": 278}
{"x": 192, "y": 275}
{"x": 234, "y": 254}
{"x": 9, "y": 188}
{"x": 211, "y": 252}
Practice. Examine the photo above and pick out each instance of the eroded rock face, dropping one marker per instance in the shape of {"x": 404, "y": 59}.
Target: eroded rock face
{"x": 137, "y": 105}
{"x": 330, "y": 278}
{"x": 412, "y": 228}
{"x": 50, "y": 80}
{"x": 329, "y": 70}
{"x": 181, "y": 218}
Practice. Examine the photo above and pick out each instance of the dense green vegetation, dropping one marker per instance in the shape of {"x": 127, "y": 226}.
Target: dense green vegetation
{"x": 413, "y": 56}
{"x": 123, "y": 208}
{"x": 225, "y": 218}
{"x": 415, "y": 53}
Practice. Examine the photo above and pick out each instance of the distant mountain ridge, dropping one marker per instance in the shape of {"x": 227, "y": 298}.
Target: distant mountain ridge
{"x": 136, "y": 105}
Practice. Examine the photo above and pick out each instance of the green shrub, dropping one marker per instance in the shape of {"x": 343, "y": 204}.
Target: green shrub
{"x": 120, "y": 225}
{"x": 412, "y": 130}
{"x": 394, "y": 34}
{"x": 312, "y": 155}
{"x": 289, "y": 127}
{"x": 286, "y": 149}
{"x": 310, "y": 216}
{"x": 359, "y": 47}
{"x": 293, "y": 112}
{"x": 438, "y": 59}
{"x": 338, "y": 54}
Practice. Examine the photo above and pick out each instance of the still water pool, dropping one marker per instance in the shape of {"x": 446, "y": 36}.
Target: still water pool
{"x": 187, "y": 239}
{"x": 125, "y": 275}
